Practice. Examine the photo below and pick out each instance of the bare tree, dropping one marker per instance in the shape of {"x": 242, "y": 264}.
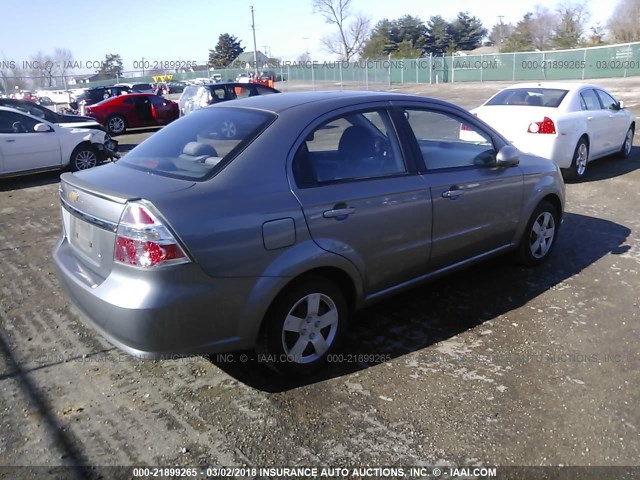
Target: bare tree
{"x": 63, "y": 60}
{"x": 12, "y": 78}
{"x": 543, "y": 25}
{"x": 570, "y": 29}
{"x": 304, "y": 58}
{"x": 624, "y": 23}
{"x": 499, "y": 34}
{"x": 41, "y": 69}
{"x": 348, "y": 41}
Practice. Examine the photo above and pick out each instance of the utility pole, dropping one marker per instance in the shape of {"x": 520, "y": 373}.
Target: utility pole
{"x": 255, "y": 47}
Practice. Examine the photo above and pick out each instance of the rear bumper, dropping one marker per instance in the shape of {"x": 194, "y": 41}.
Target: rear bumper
{"x": 556, "y": 148}
{"x": 154, "y": 315}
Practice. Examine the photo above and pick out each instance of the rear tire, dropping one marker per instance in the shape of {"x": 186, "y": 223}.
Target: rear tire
{"x": 540, "y": 235}
{"x": 625, "y": 150}
{"x": 578, "y": 167}
{"x": 83, "y": 157}
{"x": 303, "y": 327}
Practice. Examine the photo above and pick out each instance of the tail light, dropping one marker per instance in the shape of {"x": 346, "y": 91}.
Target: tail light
{"x": 545, "y": 126}
{"x": 142, "y": 240}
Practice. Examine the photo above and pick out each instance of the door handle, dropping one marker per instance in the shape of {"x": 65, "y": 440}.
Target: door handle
{"x": 339, "y": 212}
{"x": 589, "y": 118}
{"x": 10, "y": 140}
{"x": 453, "y": 192}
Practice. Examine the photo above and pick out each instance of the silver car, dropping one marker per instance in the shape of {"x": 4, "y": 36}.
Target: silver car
{"x": 321, "y": 204}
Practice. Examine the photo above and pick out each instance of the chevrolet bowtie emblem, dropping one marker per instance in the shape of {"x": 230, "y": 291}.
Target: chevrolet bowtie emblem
{"x": 73, "y": 196}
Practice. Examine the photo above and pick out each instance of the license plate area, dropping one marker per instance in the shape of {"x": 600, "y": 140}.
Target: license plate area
{"x": 83, "y": 236}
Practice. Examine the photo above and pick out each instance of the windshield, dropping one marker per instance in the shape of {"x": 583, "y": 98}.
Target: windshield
{"x": 199, "y": 145}
{"x": 532, "y": 97}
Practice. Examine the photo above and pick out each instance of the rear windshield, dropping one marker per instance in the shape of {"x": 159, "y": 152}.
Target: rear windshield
{"x": 142, "y": 86}
{"x": 532, "y": 97}
{"x": 199, "y": 145}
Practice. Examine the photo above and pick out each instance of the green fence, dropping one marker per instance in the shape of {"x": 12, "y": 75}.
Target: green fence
{"x": 587, "y": 63}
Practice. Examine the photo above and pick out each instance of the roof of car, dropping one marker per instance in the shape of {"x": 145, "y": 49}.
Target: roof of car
{"x": 22, "y": 112}
{"x": 557, "y": 85}
{"x": 234, "y": 84}
{"x": 333, "y": 99}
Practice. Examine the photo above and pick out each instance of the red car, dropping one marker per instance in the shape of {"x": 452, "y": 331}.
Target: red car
{"x": 134, "y": 110}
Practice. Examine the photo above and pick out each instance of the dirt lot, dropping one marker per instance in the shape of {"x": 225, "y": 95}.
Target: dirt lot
{"x": 497, "y": 365}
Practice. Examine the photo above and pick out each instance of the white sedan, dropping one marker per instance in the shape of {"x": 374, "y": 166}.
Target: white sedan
{"x": 569, "y": 123}
{"x": 29, "y": 144}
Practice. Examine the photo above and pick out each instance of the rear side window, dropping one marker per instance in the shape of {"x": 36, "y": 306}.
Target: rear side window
{"x": 589, "y": 99}
{"x": 533, "y": 97}
{"x": 356, "y": 146}
{"x": 200, "y": 144}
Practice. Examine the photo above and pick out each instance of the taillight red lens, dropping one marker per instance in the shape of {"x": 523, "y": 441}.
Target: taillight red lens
{"x": 545, "y": 126}
{"x": 144, "y": 241}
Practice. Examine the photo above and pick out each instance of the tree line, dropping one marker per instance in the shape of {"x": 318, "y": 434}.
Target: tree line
{"x": 410, "y": 37}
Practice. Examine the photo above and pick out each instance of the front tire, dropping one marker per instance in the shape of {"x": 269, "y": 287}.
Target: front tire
{"x": 540, "y": 235}
{"x": 578, "y": 167}
{"x": 116, "y": 125}
{"x": 303, "y": 326}
{"x": 83, "y": 157}
{"x": 625, "y": 150}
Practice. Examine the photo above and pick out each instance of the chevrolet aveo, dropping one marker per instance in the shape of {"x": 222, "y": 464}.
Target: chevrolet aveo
{"x": 322, "y": 203}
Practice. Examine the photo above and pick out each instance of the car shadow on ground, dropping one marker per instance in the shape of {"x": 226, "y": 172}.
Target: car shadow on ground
{"x": 612, "y": 166}
{"x": 429, "y": 314}
{"x": 28, "y": 181}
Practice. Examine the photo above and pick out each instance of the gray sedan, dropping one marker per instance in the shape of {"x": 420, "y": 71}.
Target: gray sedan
{"x": 322, "y": 203}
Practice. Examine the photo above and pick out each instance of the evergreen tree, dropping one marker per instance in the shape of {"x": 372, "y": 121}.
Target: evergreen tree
{"x": 521, "y": 40}
{"x": 225, "y": 52}
{"x": 437, "y": 35}
{"x": 381, "y": 42}
{"x": 466, "y": 32}
{"x": 111, "y": 68}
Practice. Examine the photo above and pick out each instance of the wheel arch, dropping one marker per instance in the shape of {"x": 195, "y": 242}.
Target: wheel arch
{"x": 83, "y": 143}
{"x": 334, "y": 274}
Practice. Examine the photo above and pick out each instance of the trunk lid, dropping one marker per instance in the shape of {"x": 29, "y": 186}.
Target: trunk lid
{"x": 92, "y": 203}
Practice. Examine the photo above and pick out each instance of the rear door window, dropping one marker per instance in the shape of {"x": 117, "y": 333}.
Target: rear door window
{"x": 200, "y": 144}
{"x": 590, "y": 99}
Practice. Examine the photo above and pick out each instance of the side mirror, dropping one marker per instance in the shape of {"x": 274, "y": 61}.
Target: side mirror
{"x": 508, "y": 156}
{"x": 42, "y": 128}
{"x": 620, "y": 105}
